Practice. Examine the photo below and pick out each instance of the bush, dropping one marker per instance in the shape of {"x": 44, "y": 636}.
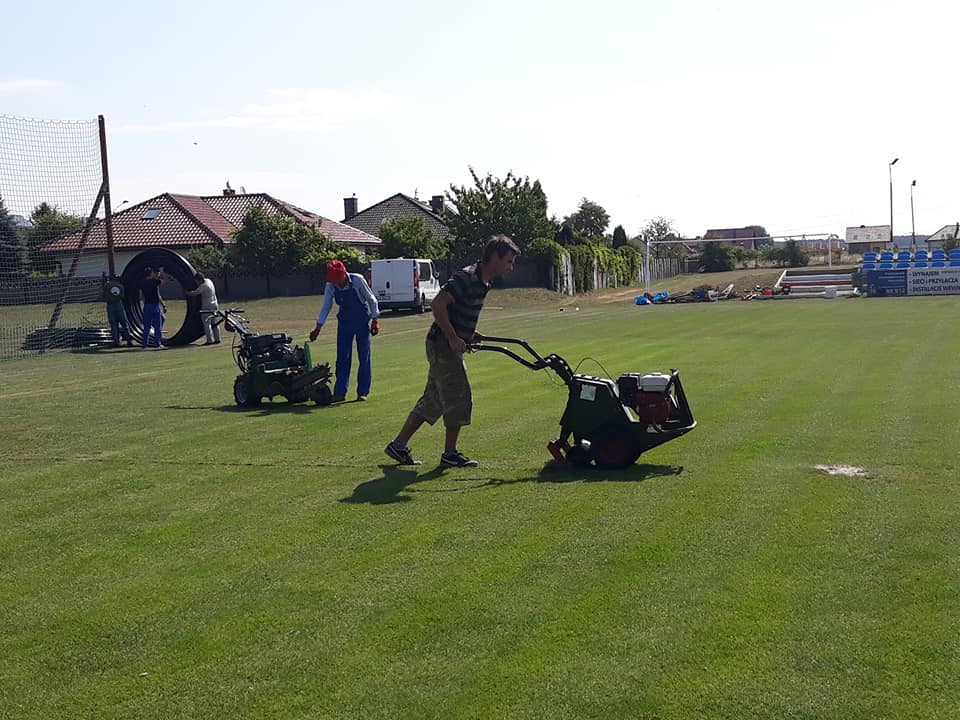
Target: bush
{"x": 716, "y": 257}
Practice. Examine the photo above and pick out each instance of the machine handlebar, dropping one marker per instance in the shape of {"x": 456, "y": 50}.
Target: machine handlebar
{"x": 552, "y": 361}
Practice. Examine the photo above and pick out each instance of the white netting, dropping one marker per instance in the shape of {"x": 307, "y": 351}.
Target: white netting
{"x": 50, "y": 289}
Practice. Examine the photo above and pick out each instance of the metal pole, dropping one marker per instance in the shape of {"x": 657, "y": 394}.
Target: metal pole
{"x": 890, "y": 171}
{"x": 646, "y": 271}
{"x": 108, "y": 222}
{"x": 913, "y": 227}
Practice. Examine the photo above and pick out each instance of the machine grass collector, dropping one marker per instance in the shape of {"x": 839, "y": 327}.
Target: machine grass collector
{"x": 605, "y": 422}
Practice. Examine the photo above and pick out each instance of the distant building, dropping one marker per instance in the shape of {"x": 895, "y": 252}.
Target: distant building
{"x": 868, "y": 238}
{"x": 185, "y": 222}
{"x": 399, "y": 205}
{"x": 944, "y": 233}
{"x": 742, "y": 237}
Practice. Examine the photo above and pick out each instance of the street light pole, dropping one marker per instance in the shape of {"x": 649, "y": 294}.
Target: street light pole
{"x": 890, "y": 171}
{"x": 913, "y": 227}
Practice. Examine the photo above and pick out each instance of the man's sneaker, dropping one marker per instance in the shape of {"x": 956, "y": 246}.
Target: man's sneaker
{"x": 400, "y": 454}
{"x": 457, "y": 459}
{"x": 361, "y": 398}
{"x": 338, "y": 398}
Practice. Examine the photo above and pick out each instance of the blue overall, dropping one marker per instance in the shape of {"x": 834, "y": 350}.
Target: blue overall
{"x": 353, "y": 321}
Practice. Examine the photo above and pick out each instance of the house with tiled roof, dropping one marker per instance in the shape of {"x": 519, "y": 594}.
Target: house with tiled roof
{"x": 395, "y": 206}
{"x": 185, "y": 222}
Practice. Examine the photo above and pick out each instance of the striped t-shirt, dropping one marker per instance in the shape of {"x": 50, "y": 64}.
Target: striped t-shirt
{"x": 468, "y": 291}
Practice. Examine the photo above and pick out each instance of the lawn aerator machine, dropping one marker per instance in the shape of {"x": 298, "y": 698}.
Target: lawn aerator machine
{"x": 605, "y": 422}
{"x": 270, "y": 365}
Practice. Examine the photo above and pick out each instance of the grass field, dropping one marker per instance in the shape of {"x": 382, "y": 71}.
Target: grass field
{"x": 166, "y": 555}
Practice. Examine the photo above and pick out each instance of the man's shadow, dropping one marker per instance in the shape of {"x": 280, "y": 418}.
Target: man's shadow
{"x": 387, "y": 489}
{"x": 396, "y": 478}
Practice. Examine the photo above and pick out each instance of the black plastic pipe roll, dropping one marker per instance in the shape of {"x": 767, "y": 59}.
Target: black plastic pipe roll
{"x": 176, "y": 266}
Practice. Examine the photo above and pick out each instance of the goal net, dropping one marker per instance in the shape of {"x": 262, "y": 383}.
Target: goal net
{"x": 52, "y": 191}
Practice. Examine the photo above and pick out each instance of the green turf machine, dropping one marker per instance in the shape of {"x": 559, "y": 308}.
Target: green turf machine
{"x": 271, "y": 365}
{"x": 608, "y": 423}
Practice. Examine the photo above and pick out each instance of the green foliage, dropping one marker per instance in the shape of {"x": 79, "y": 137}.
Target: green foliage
{"x": 271, "y": 244}
{"x": 10, "y": 261}
{"x": 545, "y": 254}
{"x": 266, "y": 243}
{"x": 619, "y": 236}
{"x": 589, "y": 221}
{"x": 759, "y": 231}
{"x": 49, "y": 223}
{"x": 659, "y": 229}
{"x": 716, "y": 257}
{"x": 788, "y": 255}
{"x": 207, "y": 259}
{"x": 409, "y": 236}
{"x": 742, "y": 256}
{"x": 622, "y": 263}
{"x": 951, "y": 242}
{"x": 317, "y": 258}
{"x": 513, "y": 206}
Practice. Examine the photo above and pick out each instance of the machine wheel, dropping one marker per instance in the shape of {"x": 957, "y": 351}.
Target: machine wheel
{"x": 613, "y": 447}
{"x": 578, "y": 455}
{"x": 422, "y": 306}
{"x": 323, "y": 396}
{"x": 243, "y": 392}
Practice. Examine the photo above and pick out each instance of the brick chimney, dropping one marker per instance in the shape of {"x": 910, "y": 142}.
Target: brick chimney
{"x": 436, "y": 204}
{"x": 349, "y": 207}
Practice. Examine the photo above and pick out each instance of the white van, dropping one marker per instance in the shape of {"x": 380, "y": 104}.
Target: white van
{"x": 404, "y": 283}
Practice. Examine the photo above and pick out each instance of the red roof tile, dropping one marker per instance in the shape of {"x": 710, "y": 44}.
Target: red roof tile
{"x": 187, "y": 221}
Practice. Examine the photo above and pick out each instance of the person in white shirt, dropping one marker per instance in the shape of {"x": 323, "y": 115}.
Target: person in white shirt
{"x": 208, "y": 306}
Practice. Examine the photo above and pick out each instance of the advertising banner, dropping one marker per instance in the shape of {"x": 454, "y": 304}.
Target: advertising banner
{"x": 913, "y": 281}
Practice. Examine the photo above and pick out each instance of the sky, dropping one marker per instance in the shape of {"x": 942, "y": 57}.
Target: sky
{"x": 709, "y": 114}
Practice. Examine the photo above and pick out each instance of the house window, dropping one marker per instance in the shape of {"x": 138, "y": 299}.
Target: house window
{"x": 150, "y": 214}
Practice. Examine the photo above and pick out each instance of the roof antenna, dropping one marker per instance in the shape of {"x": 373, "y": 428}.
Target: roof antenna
{"x": 415, "y": 193}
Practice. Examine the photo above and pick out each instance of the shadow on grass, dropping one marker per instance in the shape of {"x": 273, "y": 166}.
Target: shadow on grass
{"x": 552, "y": 472}
{"x": 387, "y": 489}
{"x": 277, "y": 407}
{"x": 397, "y": 478}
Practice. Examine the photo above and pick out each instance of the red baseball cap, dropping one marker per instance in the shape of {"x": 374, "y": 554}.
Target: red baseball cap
{"x": 336, "y": 271}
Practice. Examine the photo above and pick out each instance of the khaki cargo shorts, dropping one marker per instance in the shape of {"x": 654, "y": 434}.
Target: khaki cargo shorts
{"x": 447, "y": 393}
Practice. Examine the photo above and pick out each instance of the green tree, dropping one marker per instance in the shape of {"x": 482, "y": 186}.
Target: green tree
{"x": 10, "y": 261}
{"x": 208, "y": 259}
{"x": 716, "y": 257}
{"x": 590, "y": 220}
{"x": 513, "y": 206}
{"x": 759, "y": 231}
{"x": 323, "y": 251}
{"x": 660, "y": 230}
{"x": 270, "y": 244}
{"x": 619, "y": 236}
{"x": 49, "y": 223}
{"x": 794, "y": 255}
{"x": 409, "y": 236}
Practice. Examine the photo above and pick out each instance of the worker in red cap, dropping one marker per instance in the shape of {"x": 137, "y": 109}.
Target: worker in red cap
{"x": 356, "y": 322}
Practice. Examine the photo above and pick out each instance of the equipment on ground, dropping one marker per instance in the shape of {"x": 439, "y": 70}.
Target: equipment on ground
{"x": 605, "y": 422}
{"x": 270, "y": 365}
